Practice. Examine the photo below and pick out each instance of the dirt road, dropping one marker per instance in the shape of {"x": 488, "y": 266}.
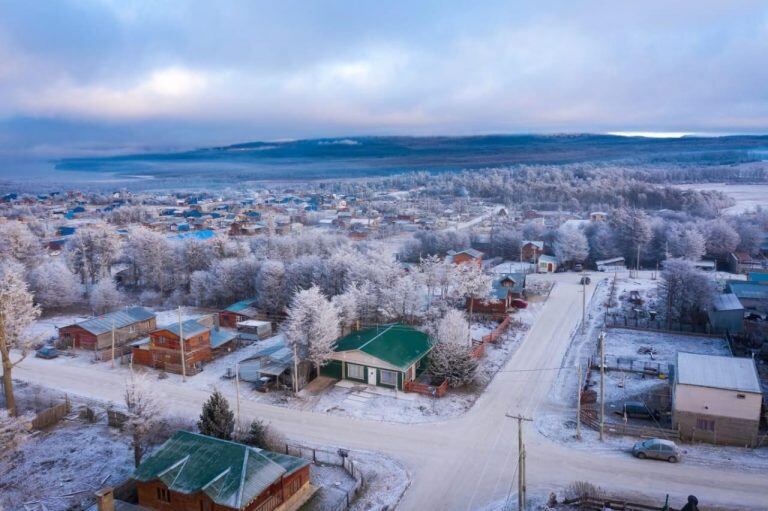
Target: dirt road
{"x": 469, "y": 462}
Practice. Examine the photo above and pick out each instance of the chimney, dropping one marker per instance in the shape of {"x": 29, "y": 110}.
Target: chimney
{"x": 105, "y": 499}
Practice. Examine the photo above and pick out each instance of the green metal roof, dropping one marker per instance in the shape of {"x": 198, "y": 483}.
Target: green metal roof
{"x": 242, "y": 304}
{"x": 398, "y": 345}
{"x": 500, "y": 290}
{"x": 231, "y": 474}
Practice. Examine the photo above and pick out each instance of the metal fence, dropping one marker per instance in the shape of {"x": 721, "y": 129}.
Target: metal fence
{"x": 618, "y": 320}
{"x": 341, "y": 458}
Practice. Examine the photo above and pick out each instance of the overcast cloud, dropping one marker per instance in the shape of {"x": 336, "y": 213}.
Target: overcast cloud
{"x": 80, "y": 75}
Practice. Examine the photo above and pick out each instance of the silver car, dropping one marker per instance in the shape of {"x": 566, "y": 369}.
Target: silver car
{"x": 658, "y": 449}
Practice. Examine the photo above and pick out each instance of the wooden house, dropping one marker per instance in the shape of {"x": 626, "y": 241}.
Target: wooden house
{"x": 163, "y": 348}
{"x": 386, "y": 356}
{"x": 531, "y": 250}
{"x": 96, "y": 333}
{"x": 193, "y": 472}
{"x": 238, "y": 312}
{"x": 467, "y": 256}
{"x": 505, "y": 288}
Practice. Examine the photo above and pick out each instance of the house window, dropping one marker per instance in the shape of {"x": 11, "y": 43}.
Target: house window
{"x": 705, "y": 424}
{"x": 355, "y": 371}
{"x": 388, "y": 377}
{"x": 163, "y": 495}
{"x": 741, "y": 396}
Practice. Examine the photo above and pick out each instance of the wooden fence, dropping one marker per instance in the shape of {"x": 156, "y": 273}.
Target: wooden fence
{"x": 590, "y": 417}
{"x": 52, "y": 415}
{"x": 341, "y": 458}
{"x": 425, "y": 389}
{"x": 598, "y": 504}
{"x": 498, "y": 332}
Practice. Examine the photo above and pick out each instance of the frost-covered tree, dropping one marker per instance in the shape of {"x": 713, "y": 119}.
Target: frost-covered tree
{"x": 91, "y": 251}
{"x": 571, "y": 245}
{"x": 404, "y": 298}
{"x": 602, "y": 243}
{"x": 14, "y": 431}
{"x": 216, "y": 419}
{"x": 685, "y": 292}
{"x": 151, "y": 258}
{"x": 17, "y": 313}
{"x": 311, "y": 329}
{"x": 54, "y": 285}
{"x": 751, "y": 236}
{"x": 453, "y": 328}
{"x": 270, "y": 285}
{"x": 470, "y": 282}
{"x": 105, "y": 297}
{"x": 686, "y": 242}
{"x": 347, "y": 306}
{"x": 18, "y": 242}
{"x": 632, "y": 230}
{"x": 452, "y": 362}
{"x": 722, "y": 239}
{"x": 142, "y": 410}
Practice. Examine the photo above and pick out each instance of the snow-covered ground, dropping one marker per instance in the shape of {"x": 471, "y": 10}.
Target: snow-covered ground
{"x": 367, "y": 402}
{"x": 558, "y": 421}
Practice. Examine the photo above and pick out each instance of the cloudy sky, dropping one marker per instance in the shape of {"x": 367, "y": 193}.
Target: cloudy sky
{"x": 85, "y": 76}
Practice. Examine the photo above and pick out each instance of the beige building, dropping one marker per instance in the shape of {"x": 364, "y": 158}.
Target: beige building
{"x": 716, "y": 399}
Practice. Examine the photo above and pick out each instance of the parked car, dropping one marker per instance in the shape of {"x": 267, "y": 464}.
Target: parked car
{"x": 637, "y": 410}
{"x": 519, "y": 304}
{"x": 578, "y": 267}
{"x": 47, "y": 352}
{"x": 657, "y": 449}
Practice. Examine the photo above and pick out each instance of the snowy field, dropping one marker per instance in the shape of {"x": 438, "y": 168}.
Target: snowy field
{"x": 747, "y": 197}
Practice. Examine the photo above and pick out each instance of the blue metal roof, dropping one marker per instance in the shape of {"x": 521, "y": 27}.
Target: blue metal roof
{"x": 749, "y": 290}
{"x": 222, "y": 336}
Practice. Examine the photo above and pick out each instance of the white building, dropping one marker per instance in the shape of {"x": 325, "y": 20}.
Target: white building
{"x": 716, "y": 399}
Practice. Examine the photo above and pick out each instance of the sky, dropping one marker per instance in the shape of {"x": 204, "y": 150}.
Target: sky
{"x": 81, "y": 77}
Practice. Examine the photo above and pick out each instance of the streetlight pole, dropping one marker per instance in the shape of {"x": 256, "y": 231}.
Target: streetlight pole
{"x": 602, "y": 383}
{"x": 521, "y": 484}
{"x": 183, "y": 355}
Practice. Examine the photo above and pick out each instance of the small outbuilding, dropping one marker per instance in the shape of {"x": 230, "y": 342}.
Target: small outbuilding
{"x": 716, "y": 399}
{"x": 386, "y": 356}
{"x": 547, "y": 264}
{"x": 727, "y": 314}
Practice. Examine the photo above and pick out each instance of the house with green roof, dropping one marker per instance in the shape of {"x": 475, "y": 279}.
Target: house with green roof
{"x": 193, "y": 472}
{"x": 386, "y": 356}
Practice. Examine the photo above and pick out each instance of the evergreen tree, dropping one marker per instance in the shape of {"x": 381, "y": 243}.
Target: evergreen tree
{"x": 217, "y": 420}
{"x": 257, "y": 435}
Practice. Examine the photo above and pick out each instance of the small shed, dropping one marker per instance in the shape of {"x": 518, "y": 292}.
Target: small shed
{"x": 612, "y": 264}
{"x": 716, "y": 399}
{"x": 547, "y": 264}
{"x": 254, "y": 329}
{"x": 727, "y": 314}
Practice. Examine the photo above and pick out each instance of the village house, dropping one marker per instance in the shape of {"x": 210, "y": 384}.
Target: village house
{"x": 752, "y": 295}
{"x": 504, "y": 289}
{"x": 531, "y": 250}
{"x": 193, "y": 472}
{"x": 598, "y": 216}
{"x": 385, "y": 356}
{"x": 466, "y": 256}
{"x": 740, "y": 262}
{"x": 716, "y": 399}
{"x": 272, "y": 367}
{"x": 239, "y": 311}
{"x": 96, "y": 334}
{"x": 163, "y": 348}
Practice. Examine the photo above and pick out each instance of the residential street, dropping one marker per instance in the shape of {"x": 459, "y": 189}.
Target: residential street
{"x": 466, "y": 463}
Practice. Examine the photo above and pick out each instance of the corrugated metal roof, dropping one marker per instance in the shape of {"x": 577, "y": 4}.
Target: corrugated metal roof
{"x": 190, "y": 327}
{"x": 718, "y": 372}
{"x": 242, "y": 304}
{"x": 500, "y": 291}
{"x": 103, "y": 324}
{"x": 727, "y": 302}
{"x": 222, "y": 336}
{"x": 397, "y": 344}
{"x": 749, "y": 290}
{"x": 231, "y": 474}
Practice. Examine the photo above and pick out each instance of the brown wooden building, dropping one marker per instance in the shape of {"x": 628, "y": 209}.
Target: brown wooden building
{"x": 468, "y": 256}
{"x": 192, "y": 472}
{"x": 531, "y": 250}
{"x": 239, "y": 311}
{"x": 162, "y": 349}
{"x": 96, "y": 333}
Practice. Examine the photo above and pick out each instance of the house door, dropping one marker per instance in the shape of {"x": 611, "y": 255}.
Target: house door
{"x": 372, "y": 376}
{"x": 549, "y": 267}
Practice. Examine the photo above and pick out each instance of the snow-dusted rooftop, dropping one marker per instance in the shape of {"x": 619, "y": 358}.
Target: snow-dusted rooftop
{"x": 718, "y": 372}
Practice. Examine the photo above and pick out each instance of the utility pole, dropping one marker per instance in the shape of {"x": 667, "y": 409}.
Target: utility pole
{"x": 183, "y": 355}
{"x": 521, "y": 483}
{"x": 602, "y": 383}
{"x": 237, "y": 393}
{"x": 113, "y": 344}
{"x": 578, "y": 406}
{"x": 583, "y": 304}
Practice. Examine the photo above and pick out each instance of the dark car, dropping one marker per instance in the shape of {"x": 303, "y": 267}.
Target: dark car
{"x": 519, "y": 304}
{"x": 637, "y": 410}
{"x": 47, "y": 352}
